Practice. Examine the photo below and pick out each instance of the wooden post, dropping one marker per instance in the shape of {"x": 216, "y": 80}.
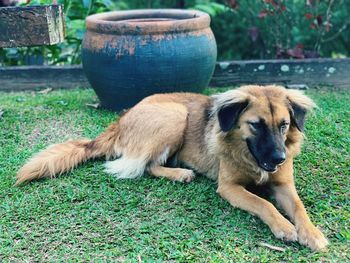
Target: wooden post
{"x": 31, "y": 26}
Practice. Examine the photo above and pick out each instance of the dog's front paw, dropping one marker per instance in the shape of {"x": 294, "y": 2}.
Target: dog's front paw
{"x": 284, "y": 230}
{"x": 310, "y": 236}
{"x": 186, "y": 176}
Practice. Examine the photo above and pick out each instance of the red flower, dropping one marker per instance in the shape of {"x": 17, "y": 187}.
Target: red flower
{"x": 232, "y": 4}
{"x": 263, "y": 13}
{"x": 296, "y": 52}
{"x": 308, "y": 16}
{"x": 272, "y": 2}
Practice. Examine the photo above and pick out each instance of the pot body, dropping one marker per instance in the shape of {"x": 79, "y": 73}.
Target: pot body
{"x": 126, "y": 64}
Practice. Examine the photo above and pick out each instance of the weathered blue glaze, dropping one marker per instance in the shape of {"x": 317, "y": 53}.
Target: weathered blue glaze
{"x": 125, "y": 68}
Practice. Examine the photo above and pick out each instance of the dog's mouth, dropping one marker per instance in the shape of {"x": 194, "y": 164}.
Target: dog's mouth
{"x": 263, "y": 165}
{"x": 268, "y": 168}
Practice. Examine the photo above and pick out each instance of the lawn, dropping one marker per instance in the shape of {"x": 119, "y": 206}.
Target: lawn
{"x": 90, "y": 216}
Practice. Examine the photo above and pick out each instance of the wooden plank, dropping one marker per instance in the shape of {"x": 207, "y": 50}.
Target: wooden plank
{"x": 329, "y": 72}
{"x": 38, "y": 77}
{"x": 312, "y": 72}
{"x": 31, "y": 25}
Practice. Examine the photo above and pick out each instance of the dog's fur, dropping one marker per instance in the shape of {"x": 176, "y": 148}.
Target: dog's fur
{"x": 243, "y": 136}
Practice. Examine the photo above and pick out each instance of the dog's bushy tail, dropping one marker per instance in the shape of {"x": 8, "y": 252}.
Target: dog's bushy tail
{"x": 63, "y": 157}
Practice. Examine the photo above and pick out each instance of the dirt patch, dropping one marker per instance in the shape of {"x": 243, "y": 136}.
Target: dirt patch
{"x": 55, "y": 130}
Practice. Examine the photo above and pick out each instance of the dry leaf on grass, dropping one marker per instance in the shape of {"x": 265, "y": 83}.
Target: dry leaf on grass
{"x": 272, "y": 247}
{"x": 45, "y": 91}
{"x": 93, "y": 105}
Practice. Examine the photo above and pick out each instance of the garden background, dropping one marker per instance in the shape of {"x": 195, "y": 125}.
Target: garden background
{"x": 89, "y": 216}
{"x": 246, "y": 29}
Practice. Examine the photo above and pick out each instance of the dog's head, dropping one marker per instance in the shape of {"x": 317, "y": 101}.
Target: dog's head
{"x": 263, "y": 118}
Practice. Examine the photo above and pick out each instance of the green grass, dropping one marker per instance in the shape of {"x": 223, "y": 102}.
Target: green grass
{"x": 90, "y": 216}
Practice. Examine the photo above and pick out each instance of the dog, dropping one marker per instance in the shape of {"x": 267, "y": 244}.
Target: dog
{"x": 239, "y": 137}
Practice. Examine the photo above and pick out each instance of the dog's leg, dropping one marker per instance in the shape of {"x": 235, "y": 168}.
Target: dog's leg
{"x": 308, "y": 234}
{"x": 239, "y": 197}
{"x": 173, "y": 174}
{"x": 287, "y": 196}
{"x": 150, "y": 133}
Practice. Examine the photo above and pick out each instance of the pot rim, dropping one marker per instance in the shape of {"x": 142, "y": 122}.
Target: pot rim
{"x": 148, "y": 21}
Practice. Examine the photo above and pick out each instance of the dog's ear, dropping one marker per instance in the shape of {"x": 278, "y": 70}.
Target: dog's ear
{"x": 298, "y": 116}
{"x": 299, "y": 106}
{"x": 228, "y": 106}
{"x": 228, "y": 116}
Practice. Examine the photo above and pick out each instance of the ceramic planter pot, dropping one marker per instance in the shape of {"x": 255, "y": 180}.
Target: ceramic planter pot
{"x": 128, "y": 55}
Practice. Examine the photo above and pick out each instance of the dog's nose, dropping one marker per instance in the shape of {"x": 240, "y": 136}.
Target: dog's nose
{"x": 278, "y": 157}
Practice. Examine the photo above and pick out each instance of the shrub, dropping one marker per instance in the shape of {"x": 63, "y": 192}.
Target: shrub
{"x": 244, "y": 29}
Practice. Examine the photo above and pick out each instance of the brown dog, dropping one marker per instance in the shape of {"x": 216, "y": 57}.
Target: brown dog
{"x": 243, "y": 136}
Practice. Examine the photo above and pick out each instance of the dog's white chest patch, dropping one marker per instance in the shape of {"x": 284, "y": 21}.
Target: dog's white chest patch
{"x": 264, "y": 177}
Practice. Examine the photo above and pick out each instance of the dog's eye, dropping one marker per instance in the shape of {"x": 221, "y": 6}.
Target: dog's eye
{"x": 255, "y": 125}
{"x": 284, "y": 127}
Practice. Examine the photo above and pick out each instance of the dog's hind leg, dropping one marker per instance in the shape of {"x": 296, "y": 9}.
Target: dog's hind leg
{"x": 150, "y": 133}
{"x": 173, "y": 174}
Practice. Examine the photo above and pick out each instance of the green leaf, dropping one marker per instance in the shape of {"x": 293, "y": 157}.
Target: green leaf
{"x": 219, "y": 8}
{"x": 205, "y": 8}
{"x": 213, "y": 9}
